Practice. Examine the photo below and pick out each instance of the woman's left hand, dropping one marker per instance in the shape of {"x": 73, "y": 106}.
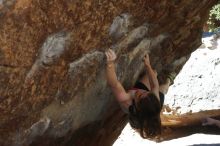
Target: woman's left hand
{"x": 146, "y": 60}
{"x": 110, "y": 55}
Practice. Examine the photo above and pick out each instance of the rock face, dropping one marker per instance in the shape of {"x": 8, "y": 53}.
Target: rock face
{"x": 52, "y": 66}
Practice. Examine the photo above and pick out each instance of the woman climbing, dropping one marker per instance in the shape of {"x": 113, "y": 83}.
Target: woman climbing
{"x": 143, "y": 103}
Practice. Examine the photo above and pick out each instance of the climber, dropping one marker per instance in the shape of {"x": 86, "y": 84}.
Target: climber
{"x": 144, "y": 101}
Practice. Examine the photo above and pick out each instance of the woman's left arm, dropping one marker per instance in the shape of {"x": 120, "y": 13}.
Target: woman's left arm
{"x": 112, "y": 80}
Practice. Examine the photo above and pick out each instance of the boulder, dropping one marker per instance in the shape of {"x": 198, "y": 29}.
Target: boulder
{"x": 53, "y": 89}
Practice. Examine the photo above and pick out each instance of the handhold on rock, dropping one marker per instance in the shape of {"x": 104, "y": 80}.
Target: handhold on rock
{"x": 120, "y": 26}
{"x": 50, "y": 52}
{"x": 54, "y": 47}
{"x": 39, "y": 127}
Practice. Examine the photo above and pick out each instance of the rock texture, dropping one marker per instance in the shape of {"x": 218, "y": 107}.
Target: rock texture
{"x": 52, "y": 66}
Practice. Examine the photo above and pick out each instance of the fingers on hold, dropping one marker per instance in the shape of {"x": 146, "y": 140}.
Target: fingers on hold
{"x": 110, "y": 54}
{"x": 113, "y": 54}
{"x": 107, "y": 55}
{"x": 147, "y": 56}
{"x": 111, "y": 51}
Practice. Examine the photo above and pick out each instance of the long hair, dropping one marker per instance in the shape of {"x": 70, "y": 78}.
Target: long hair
{"x": 148, "y": 116}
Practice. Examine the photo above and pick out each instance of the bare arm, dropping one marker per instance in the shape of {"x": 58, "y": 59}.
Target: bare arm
{"x": 211, "y": 121}
{"x": 152, "y": 76}
{"x": 112, "y": 80}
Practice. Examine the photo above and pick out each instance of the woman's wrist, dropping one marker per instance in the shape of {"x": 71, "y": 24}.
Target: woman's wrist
{"x": 147, "y": 65}
{"x": 110, "y": 63}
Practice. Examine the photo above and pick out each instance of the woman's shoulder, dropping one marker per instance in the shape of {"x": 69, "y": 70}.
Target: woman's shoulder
{"x": 125, "y": 106}
{"x": 126, "y": 103}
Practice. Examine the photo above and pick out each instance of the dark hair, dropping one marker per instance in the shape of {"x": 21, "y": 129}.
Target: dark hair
{"x": 145, "y": 116}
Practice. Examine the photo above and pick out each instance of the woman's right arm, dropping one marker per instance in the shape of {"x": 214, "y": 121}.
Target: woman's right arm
{"x": 152, "y": 76}
{"x": 112, "y": 80}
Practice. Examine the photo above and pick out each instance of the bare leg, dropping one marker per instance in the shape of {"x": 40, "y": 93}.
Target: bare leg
{"x": 164, "y": 87}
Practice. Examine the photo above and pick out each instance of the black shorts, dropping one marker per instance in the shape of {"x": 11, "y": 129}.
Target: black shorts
{"x": 140, "y": 85}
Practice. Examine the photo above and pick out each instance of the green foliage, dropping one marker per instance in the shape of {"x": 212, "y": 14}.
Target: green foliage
{"x": 215, "y": 12}
{"x": 214, "y": 18}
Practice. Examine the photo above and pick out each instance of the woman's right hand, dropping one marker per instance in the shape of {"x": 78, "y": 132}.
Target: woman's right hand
{"x": 146, "y": 60}
{"x": 110, "y": 55}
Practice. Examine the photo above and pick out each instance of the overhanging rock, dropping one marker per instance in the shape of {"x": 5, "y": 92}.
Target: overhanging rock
{"x": 52, "y": 66}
